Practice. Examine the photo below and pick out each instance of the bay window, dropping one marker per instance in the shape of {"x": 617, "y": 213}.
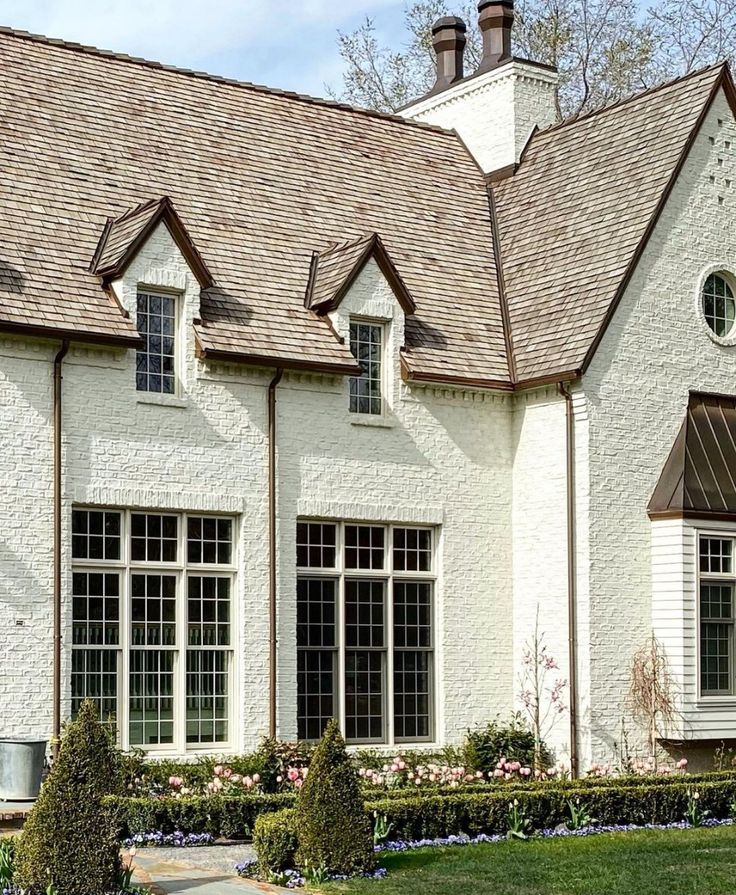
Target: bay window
{"x": 152, "y": 598}
{"x": 716, "y": 603}
{"x": 365, "y": 606}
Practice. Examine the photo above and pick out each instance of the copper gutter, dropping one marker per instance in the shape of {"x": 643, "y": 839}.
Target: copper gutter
{"x": 272, "y": 556}
{"x": 571, "y": 578}
{"x": 56, "y": 730}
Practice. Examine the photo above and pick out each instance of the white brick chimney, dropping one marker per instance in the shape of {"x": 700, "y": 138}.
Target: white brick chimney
{"x": 495, "y": 109}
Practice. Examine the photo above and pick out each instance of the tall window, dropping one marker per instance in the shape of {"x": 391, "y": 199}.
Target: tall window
{"x": 365, "y": 608}
{"x": 717, "y": 580}
{"x": 152, "y": 639}
{"x": 366, "y": 391}
{"x": 156, "y": 359}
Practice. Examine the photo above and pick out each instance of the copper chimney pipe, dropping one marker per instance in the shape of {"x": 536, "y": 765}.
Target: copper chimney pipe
{"x": 496, "y": 19}
{"x": 448, "y": 40}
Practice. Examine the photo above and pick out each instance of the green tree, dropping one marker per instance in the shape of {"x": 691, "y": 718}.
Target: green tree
{"x": 69, "y": 839}
{"x": 332, "y": 827}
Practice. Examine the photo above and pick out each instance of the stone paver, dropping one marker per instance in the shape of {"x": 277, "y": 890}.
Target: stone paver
{"x": 210, "y": 870}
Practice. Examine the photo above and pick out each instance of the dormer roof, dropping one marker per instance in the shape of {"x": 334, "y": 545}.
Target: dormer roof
{"x": 334, "y": 271}
{"x": 123, "y": 236}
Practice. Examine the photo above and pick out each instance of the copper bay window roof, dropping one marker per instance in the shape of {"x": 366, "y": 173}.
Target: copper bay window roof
{"x": 699, "y": 477}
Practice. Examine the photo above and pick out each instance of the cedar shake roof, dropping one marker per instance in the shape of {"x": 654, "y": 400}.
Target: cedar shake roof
{"x": 123, "y": 237}
{"x": 574, "y": 217}
{"x": 699, "y": 476}
{"x": 334, "y": 272}
{"x": 261, "y": 178}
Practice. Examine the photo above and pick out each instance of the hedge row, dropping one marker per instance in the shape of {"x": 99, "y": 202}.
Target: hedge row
{"x": 229, "y": 816}
{"x": 442, "y": 812}
{"x": 473, "y": 813}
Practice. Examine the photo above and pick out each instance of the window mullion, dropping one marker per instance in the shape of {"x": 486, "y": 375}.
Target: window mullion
{"x": 388, "y": 640}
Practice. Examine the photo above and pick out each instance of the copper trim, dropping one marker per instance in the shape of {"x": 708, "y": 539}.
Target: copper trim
{"x": 272, "y": 555}
{"x": 57, "y": 474}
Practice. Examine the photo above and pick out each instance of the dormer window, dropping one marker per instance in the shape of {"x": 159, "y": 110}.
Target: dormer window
{"x": 156, "y": 359}
{"x": 366, "y": 390}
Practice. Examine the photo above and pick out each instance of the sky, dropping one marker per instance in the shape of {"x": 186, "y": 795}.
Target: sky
{"x": 274, "y": 42}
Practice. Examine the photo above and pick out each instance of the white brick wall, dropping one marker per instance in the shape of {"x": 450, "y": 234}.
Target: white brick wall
{"x": 443, "y": 458}
{"x": 494, "y": 113}
{"x": 655, "y": 351}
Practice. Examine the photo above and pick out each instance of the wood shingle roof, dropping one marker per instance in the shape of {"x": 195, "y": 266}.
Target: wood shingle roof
{"x": 262, "y": 179}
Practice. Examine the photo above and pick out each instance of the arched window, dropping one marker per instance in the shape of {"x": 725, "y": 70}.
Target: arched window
{"x": 719, "y": 305}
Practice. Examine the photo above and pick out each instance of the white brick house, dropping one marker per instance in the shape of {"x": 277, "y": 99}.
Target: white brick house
{"x": 228, "y": 526}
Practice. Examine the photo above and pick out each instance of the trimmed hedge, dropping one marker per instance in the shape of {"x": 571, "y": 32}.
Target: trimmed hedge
{"x": 230, "y": 816}
{"x": 275, "y": 842}
{"x": 235, "y": 816}
{"x": 420, "y": 817}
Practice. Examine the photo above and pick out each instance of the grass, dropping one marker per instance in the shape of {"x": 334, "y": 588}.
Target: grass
{"x": 672, "y": 862}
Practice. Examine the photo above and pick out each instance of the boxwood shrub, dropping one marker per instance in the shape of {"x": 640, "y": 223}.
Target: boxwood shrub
{"x": 229, "y": 816}
{"x": 275, "y": 842}
{"x": 235, "y": 816}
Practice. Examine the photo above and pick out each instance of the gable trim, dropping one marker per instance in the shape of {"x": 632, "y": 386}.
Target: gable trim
{"x": 374, "y": 248}
{"x": 166, "y": 214}
{"x": 724, "y": 82}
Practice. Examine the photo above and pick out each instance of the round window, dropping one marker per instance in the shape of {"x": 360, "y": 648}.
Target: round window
{"x": 719, "y": 305}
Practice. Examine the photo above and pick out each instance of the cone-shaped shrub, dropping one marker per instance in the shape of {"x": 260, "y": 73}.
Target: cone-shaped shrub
{"x": 69, "y": 838}
{"x": 333, "y": 828}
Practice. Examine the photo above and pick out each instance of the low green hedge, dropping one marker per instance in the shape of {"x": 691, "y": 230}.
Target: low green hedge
{"x": 230, "y": 816}
{"x": 470, "y": 809}
{"x": 420, "y": 817}
{"x": 275, "y": 842}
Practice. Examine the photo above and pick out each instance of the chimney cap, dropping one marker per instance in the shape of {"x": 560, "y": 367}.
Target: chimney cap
{"x": 496, "y": 19}
{"x": 484, "y": 4}
{"x": 449, "y": 22}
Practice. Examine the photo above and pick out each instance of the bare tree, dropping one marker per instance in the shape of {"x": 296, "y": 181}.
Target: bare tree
{"x": 541, "y": 690}
{"x": 604, "y": 49}
{"x": 652, "y": 693}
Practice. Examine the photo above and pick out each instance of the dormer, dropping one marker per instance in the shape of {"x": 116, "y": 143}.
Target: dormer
{"x": 495, "y": 109}
{"x": 359, "y": 288}
{"x": 150, "y": 265}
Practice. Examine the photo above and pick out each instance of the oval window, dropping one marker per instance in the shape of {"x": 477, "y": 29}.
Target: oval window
{"x": 719, "y": 305}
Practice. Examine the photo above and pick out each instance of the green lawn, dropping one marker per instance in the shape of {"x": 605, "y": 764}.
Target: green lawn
{"x": 673, "y": 862}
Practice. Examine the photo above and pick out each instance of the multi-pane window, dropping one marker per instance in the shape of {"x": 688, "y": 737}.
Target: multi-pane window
{"x": 156, "y": 358}
{"x": 719, "y": 305}
{"x": 152, "y": 601}
{"x": 366, "y": 390}
{"x": 365, "y": 631}
{"x": 716, "y": 591}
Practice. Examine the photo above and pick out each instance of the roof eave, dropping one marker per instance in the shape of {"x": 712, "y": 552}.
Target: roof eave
{"x": 54, "y": 333}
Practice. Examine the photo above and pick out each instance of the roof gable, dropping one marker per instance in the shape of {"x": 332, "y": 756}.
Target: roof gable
{"x": 699, "y": 476}
{"x": 123, "y": 237}
{"x": 334, "y": 271}
{"x": 576, "y": 216}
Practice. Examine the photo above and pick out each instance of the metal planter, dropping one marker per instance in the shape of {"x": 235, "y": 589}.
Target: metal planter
{"x": 21, "y": 769}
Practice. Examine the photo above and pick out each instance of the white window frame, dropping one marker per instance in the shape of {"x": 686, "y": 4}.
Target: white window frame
{"x": 383, "y": 327}
{"x": 177, "y": 296}
{"x": 388, "y": 575}
{"x": 127, "y": 567}
{"x": 710, "y": 697}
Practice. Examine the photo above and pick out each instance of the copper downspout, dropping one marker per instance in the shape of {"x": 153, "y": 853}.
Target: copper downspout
{"x": 571, "y": 579}
{"x": 272, "y": 551}
{"x": 56, "y": 731}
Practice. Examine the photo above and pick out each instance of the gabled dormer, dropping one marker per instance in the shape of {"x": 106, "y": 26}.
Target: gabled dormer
{"x": 149, "y": 263}
{"x": 358, "y": 286}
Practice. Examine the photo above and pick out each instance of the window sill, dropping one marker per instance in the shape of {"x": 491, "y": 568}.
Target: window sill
{"x": 714, "y": 702}
{"x": 161, "y": 400}
{"x": 375, "y": 422}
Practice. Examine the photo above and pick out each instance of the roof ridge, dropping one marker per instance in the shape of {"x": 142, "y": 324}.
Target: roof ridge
{"x": 346, "y": 244}
{"x": 221, "y": 79}
{"x": 641, "y": 94}
{"x": 137, "y": 209}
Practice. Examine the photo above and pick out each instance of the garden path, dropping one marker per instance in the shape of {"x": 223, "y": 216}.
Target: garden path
{"x": 191, "y": 871}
